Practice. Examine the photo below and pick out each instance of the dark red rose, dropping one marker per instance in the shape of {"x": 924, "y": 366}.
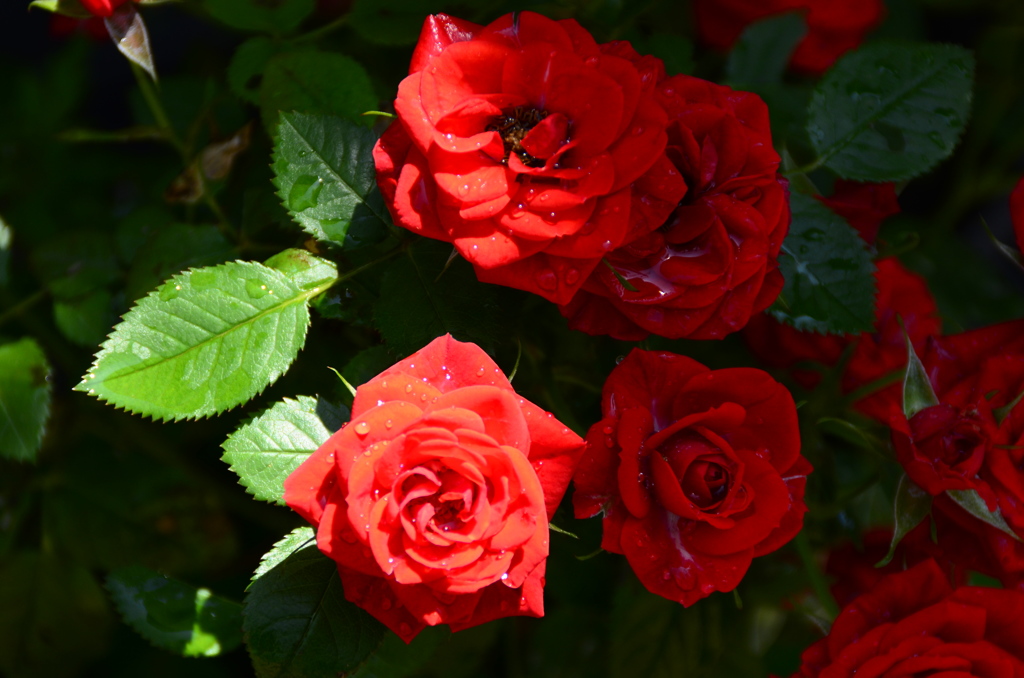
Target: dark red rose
{"x": 696, "y": 471}
{"x": 435, "y": 499}
{"x": 864, "y": 206}
{"x": 833, "y": 26}
{"x": 915, "y": 624}
{"x": 713, "y": 263}
{"x": 901, "y": 294}
{"x": 62, "y": 26}
{"x": 973, "y": 545}
{"x": 1017, "y": 213}
{"x": 530, "y": 147}
{"x": 942, "y": 448}
{"x": 102, "y": 8}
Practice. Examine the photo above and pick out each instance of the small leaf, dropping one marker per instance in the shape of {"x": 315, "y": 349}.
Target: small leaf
{"x": 315, "y": 82}
{"x": 128, "y": 32}
{"x": 829, "y": 283}
{"x": 324, "y": 173}
{"x": 415, "y": 306}
{"x": 203, "y": 342}
{"x": 849, "y": 432}
{"x": 971, "y": 501}
{"x": 918, "y": 393}
{"x": 24, "y": 399}
{"x": 763, "y": 50}
{"x": 77, "y": 263}
{"x": 173, "y": 615}
{"x": 267, "y": 449}
{"x": 305, "y": 270}
{"x": 296, "y": 620}
{"x": 5, "y": 251}
{"x": 891, "y": 111}
{"x": 912, "y": 505}
{"x": 259, "y": 16}
{"x": 84, "y": 320}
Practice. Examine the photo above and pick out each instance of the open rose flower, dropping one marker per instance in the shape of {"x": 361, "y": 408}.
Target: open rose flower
{"x": 713, "y": 263}
{"x": 914, "y": 623}
{"x": 697, "y": 472}
{"x": 434, "y": 500}
{"x": 902, "y": 294}
{"x": 531, "y": 148}
{"x": 833, "y": 26}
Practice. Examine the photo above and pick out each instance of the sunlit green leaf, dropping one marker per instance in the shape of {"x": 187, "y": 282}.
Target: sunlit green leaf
{"x": 174, "y": 615}
{"x": 891, "y": 111}
{"x": 203, "y": 342}
{"x": 24, "y": 399}
{"x": 172, "y": 249}
{"x": 267, "y": 449}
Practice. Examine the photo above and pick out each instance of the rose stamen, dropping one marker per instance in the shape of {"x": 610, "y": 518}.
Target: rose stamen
{"x": 513, "y": 128}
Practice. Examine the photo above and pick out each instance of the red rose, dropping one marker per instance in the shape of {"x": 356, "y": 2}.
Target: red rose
{"x": 833, "y": 26}
{"x": 697, "y": 472}
{"x": 714, "y": 262}
{"x": 942, "y": 448}
{"x": 102, "y": 8}
{"x": 435, "y": 499}
{"x": 530, "y": 147}
{"x": 1017, "y": 213}
{"x": 973, "y": 545}
{"x": 914, "y": 623}
{"x": 901, "y": 294}
{"x": 863, "y": 206}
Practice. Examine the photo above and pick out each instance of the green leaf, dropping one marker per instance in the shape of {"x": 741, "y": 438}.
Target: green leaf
{"x": 71, "y": 8}
{"x": 245, "y": 72}
{"x": 24, "y": 399}
{"x": 172, "y": 249}
{"x": 675, "y": 50}
{"x": 296, "y": 621}
{"x": 84, "y": 320}
{"x": 848, "y": 431}
{"x": 366, "y": 365}
{"x": 912, "y": 505}
{"x": 303, "y": 268}
{"x": 55, "y": 617}
{"x": 397, "y": 659}
{"x": 324, "y": 173}
{"x": 415, "y": 306}
{"x": 173, "y": 615}
{"x": 76, "y": 263}
{"x": 315, "y": 82}
{"x": 203, "y": 342}
{"x": 829, "y": 283}
{"x": 298, "y": 538}
{"x": 390, "y": 22}
{"x": 918, "y": 393}
{"x": 971, "y": 501}
{"x": 267, "y": 449}
{"x": 5, "y": 251}
{"x": 265, "y": 17}
{"x": 891, "y": 111}
{"x": 763, "y": 50}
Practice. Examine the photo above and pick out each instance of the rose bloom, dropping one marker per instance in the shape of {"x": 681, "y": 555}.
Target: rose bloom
{"x": 435, "y": 499}
{"x": 833, "y": 26}
{"x": 697, "y": 472}
{"x": 102, "y": 8}
{"x": 713, "y": 263}
{"x": 914, "y": 623}
{"x": 901, "y": 294}
{"x": 529, "y": 147}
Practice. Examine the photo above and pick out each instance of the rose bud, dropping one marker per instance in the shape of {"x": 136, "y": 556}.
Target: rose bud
{"x": 713, "y": 262}
{"x": 435, "y": 499}
{"x": 697, "y": 472}
{"x": 833, "y": 26}
{"x": 529, "y": 147}
{"x": 914, "y": 623}
{"x": 102, "y": 8}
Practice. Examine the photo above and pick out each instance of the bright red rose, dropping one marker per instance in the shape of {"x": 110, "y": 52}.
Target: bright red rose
{"x": 714, "y": 262}
{"x": 435, "y": 499}
{"x": 1017, "y": 213}
{"x": 863, "y": 206}
{"x": 697, "y": 472}
{"x": 102, "y": 8}
{"x": 833, "y": 26}
{"x": 914, "y": 623}
{"x": 901, "y": 294}
{"x": 531, "y": 148}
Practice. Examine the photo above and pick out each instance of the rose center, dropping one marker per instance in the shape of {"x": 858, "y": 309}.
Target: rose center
{"x": 513, "y": 127}
{"x": 706, "y": 483}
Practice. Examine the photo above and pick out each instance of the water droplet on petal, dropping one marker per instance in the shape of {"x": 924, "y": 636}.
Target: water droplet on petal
{"x": 408, "y": 388}
{"x": 388, "y": 423}
{"x": 362, "y": 428}
{"x": 546, "y": 279}
{"x": 571, "y": 276}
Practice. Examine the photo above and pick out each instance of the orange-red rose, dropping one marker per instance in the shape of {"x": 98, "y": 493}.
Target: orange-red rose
{"x": 434, "y": 500}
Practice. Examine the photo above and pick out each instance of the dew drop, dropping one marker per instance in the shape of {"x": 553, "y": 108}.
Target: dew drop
{"x": 423, "y": 397}
{"x": 408, "y": 388}
{"x": 480, "y": 372}
{"x": 305, "y": 193}
{"x": 388, "y": 423}
{"x": 608, "y": 430}
{"x": 362, "y": 428}
{"x": 546, "y": 279}
{"x": 255, "y": 289}
{"x": 504, "y": 576}
{"x": 385, "y": 603}
{"x": 638, "y": 130}
{"x": 571, "y": 276}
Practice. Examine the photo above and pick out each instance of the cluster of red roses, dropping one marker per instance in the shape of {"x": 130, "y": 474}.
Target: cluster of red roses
{"x": 643, "y": 203}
